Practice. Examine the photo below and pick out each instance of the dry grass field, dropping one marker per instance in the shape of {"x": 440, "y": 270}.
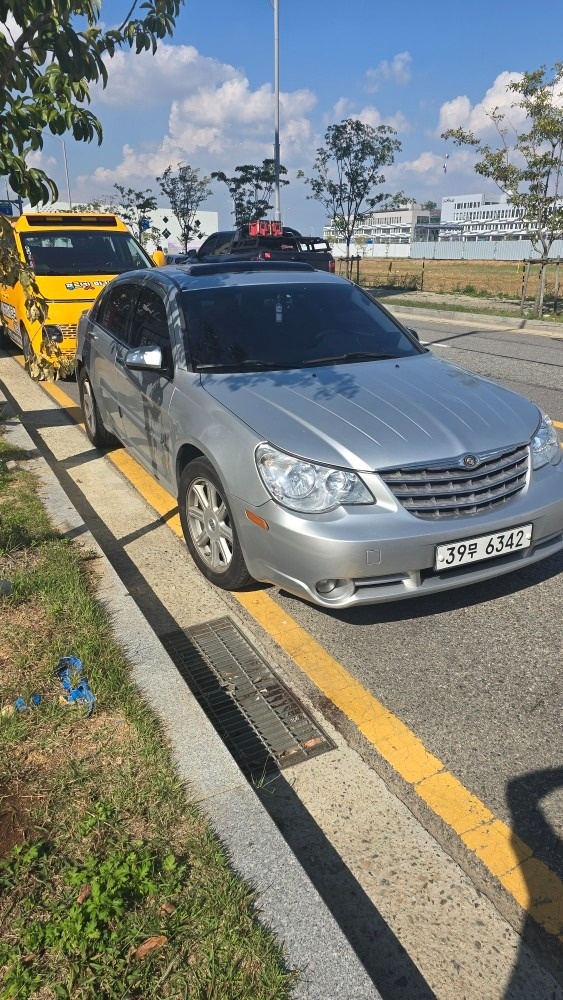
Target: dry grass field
{"x": 480, "y": 278}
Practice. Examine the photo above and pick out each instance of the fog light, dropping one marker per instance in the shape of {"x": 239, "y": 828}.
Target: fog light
{"x": 325, "y": 586}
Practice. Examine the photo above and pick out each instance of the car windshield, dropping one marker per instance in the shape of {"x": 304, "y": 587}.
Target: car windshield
{"x": 288, "y": 326}
{"x": 73, "y": 252}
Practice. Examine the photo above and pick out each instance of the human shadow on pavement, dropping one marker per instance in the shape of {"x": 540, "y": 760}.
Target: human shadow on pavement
{"x": 542, "y": 873}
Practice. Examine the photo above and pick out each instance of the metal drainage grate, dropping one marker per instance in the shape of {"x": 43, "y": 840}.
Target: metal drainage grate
{"x": 258, "y": 718}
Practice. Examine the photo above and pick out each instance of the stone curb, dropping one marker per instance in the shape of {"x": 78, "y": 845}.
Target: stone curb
{"x": 285, "y": 898}
{"x": 488, "y": 319}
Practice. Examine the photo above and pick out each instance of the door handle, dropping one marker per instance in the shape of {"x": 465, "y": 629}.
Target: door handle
{"x": 93, "y": 336}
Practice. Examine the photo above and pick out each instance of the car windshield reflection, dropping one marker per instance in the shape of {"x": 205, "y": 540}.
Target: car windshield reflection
{"x": 288, "y": 326}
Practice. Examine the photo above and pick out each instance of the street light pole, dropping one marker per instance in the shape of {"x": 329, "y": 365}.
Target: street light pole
{"x": 56, "y": 138}
{"x": 277, "y": 211}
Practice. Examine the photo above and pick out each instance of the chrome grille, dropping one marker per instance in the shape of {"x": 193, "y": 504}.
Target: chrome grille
{"x": 451, "y": 489}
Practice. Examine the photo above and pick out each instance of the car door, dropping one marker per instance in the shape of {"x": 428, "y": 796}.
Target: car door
{"x": 144, "y": 396}
{"x": 105, "y": 341}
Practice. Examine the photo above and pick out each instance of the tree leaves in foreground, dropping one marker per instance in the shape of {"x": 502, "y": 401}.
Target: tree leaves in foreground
{"x": 526, "y": 165}
{"x": 348, "y": 168}
{"x": 251, "y": 189}
{"x": 48, "y": 60}
{"x": 186, "y": 191}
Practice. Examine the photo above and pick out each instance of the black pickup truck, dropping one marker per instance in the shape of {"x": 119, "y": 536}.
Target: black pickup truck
{"x": 240, "y": 244}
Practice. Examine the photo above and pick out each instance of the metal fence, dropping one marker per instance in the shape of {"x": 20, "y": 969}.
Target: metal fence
{"x": 454, "y": 250}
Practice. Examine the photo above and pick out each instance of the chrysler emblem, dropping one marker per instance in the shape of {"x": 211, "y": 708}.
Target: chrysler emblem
{"x": 470, "y": 461}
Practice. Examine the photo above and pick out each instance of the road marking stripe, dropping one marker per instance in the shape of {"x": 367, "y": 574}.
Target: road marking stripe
{"x": 529, "y": 881}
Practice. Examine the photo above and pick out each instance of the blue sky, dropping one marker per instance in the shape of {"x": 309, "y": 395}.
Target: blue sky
{"x": 206, "y": 98}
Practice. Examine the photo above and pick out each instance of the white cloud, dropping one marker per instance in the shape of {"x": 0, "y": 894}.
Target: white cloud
{"x": 146, "y": 79}
{"x": 424, "y": 175}
{"x": 370, "y": 115}
{"x": 398, "y": 70}
{"x": 219, "y": 127}
{"x": 342, "y": 109}
{"x": 460, "y": 113}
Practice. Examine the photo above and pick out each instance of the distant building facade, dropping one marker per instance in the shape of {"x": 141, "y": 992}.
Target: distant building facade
{"x": 403, "y": 225}
{"x": 475, "y": 217}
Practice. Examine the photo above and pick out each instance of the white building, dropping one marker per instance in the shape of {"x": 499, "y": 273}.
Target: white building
{"x": 403, "y": 225}
{"x": 476, "y": 217}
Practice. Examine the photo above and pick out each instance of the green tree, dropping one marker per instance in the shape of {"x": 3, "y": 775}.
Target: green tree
{"x": 134, "y": 207}
{"x": 104, "y": 204}
{"x": 429, "y": 206}
{"x": 526, "y": 165}
{"x": 346, "y": 171}
{"x": 251, "y": 189}
{"x": 186, "y": 191}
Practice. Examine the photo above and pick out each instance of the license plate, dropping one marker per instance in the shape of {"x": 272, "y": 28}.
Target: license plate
{"x": 473, "y": 550}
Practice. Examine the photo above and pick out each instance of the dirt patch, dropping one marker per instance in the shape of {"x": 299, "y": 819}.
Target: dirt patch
{"x": 15, "y": 822}
{"x": 19, "y": 561}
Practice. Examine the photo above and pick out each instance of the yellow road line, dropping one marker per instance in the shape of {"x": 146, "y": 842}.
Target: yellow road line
{"x": 529, "y": 881}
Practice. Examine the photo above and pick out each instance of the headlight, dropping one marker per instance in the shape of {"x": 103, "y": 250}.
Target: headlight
{"x": 305, "y": 486}
{"x": 545, "y": 444}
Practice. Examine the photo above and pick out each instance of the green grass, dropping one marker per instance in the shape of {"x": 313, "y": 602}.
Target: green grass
{"x": 101, "y": 851}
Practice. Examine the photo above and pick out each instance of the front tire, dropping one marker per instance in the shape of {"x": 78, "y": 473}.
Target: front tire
{"x": 209, "y": 528}
{"x": 93, "y": 423}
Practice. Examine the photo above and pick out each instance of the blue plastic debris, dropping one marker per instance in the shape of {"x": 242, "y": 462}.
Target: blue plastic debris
{"x": 71, "y": 675}
{"x": 21, "y": 705}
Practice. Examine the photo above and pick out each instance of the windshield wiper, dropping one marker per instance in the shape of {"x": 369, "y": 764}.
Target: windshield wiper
{"x": 351, "y": 356}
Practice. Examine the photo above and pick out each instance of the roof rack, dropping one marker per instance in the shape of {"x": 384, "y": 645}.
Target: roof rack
{"x": 240, "y": 266}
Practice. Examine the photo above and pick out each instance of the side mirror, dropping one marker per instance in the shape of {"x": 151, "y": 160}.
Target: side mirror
{"x": 413, "y": 333}
{"x": 144, "y": 359}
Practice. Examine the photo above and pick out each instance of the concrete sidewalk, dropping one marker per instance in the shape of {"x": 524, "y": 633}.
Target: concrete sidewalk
{"x": 284, "y": 895}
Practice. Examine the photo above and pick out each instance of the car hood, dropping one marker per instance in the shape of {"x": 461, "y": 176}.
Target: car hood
{"x": 377, "y": 415}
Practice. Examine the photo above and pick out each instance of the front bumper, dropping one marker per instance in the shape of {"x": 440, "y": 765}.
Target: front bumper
{"x": 382, "y": 553}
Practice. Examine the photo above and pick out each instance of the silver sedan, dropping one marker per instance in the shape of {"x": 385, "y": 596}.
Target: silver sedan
{"x": 312, "y": 442}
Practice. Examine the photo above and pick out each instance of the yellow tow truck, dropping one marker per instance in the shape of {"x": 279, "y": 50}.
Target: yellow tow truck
{"x": 73, "y": 257}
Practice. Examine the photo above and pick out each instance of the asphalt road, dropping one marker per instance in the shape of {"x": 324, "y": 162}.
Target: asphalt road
{"x": 476, "y": 674}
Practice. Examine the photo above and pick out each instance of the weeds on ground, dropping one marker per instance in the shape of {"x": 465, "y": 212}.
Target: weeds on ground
{"x": 111, "y": 883}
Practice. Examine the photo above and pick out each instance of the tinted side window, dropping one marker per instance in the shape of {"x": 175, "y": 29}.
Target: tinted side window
{"x": 115, "y": 309}
{"x": 208, "y": 246}
{"x": 224, "y": 241}
{"x": 150, "y": 324}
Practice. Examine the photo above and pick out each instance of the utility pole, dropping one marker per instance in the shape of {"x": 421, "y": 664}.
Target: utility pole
{"x": 277, "y": 210}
